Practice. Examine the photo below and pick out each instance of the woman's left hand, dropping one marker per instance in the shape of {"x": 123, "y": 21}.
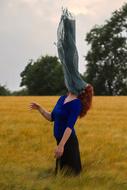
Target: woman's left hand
{"x": 59, "y": 151}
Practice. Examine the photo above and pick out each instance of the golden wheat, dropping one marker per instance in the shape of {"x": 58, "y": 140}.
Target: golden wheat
{"x": 27, "y": 146}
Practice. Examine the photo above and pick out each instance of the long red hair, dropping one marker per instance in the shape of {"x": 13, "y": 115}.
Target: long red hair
{"x": 86, "y": 99}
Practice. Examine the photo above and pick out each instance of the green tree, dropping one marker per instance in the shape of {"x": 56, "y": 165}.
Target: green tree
{"x": 106, "y": 67}
{"x": 22, "y": 92}
{"x": 43, "y": 77}
{"x": 4, "y": 91}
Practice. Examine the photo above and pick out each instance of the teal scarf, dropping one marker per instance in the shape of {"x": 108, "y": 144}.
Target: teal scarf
{"x": 68, "y": 54}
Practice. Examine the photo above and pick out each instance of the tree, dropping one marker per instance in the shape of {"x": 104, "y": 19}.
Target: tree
{"x": 4, "y": 91}
{"x": 22, "y": 92}
{"x": 43, "y": 77}
{"x": 106, "y": 67}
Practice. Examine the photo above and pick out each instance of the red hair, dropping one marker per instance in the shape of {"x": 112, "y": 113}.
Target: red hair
{"x": 86, "y": 99}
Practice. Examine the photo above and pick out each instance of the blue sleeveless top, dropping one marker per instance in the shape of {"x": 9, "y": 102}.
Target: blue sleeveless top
{"x": 65, "y": 115}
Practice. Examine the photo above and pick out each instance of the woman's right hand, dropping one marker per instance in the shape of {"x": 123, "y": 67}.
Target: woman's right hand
{"x": 34, "y": 106}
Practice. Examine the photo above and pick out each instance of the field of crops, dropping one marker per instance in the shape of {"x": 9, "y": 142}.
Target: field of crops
{"x": 27, "y": 146}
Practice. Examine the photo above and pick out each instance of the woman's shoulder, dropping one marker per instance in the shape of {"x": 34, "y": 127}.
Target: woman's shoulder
{"x": 77, "y": 101}
{"x": 76, "y": 104}
{"x": 60, "y": 98}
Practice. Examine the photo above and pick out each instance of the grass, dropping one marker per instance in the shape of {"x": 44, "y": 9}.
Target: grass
{"x": 27, "y": 146}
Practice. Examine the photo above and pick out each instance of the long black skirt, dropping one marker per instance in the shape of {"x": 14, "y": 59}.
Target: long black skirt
{"x": 69, "y": 162}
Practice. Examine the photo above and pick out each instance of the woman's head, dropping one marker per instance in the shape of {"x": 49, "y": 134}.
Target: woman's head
{"x": 86, "y": 99}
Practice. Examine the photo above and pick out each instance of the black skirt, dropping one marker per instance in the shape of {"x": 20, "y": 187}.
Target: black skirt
{"x": 69, "y": 162}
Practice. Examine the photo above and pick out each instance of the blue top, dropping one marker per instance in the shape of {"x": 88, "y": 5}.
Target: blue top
{"x": 65, "y": 115}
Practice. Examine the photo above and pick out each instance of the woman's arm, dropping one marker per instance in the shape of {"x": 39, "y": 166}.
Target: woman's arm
{"x": 43, "y": 112}
{"x": 60, "y": 148}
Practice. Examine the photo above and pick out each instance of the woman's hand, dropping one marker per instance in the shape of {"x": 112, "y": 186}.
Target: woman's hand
{"x": 59, "y": 151}
{"x": 34, "y": 106}
{"x": 41, "y": 110}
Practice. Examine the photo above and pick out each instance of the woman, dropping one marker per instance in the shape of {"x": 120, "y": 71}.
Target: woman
{"x": 65, "y": 114}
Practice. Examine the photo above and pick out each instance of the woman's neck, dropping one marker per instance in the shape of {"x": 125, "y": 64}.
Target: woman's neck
{"x": 71, "y": 95}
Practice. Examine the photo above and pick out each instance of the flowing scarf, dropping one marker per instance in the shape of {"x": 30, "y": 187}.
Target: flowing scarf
{"x": 68, "y": 55}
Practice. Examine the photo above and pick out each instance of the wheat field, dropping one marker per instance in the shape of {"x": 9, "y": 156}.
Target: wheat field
{"x": 27, "y": 146}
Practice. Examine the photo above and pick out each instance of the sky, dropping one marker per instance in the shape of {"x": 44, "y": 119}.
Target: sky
{"x": 28, "y": 31}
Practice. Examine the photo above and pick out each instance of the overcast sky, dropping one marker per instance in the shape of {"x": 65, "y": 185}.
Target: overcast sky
{"x": 28, "y": 30}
